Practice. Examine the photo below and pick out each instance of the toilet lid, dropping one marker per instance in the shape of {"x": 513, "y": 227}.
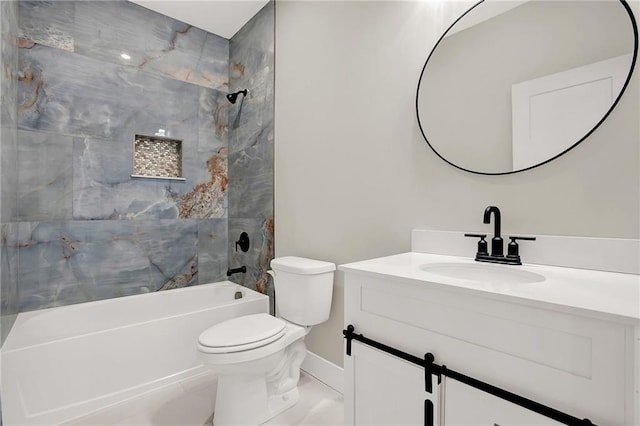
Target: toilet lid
{"x": 242, "y": 333}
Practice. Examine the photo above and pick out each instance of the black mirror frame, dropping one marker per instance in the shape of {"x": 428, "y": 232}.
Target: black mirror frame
{"x": 634, "y": 26}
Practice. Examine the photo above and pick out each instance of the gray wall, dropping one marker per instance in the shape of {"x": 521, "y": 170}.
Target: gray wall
{"x": 251, "y": 56}
{"x": 8, "y": 161}
{"x": 83, "y": 228}
{"x": 353, "y": 175}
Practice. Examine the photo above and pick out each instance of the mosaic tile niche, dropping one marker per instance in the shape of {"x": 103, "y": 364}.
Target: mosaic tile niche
{"x": 157, "y": 157}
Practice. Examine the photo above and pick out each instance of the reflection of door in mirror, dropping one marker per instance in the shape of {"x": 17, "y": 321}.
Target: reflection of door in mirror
{"x": 550, "y": 110}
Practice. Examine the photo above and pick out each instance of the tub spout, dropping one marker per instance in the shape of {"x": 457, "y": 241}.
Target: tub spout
{"x": 242, "y": 269}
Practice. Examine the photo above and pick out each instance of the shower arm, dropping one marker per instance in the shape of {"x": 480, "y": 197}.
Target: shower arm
{"x": 233, "y": 97}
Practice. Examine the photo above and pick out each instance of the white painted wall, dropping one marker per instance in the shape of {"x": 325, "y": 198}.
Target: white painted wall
{"x": 353, "y": 175}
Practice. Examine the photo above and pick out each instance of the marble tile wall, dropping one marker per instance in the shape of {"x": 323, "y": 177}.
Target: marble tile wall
{"x": 103, "y": 30}
{"x": 8, "y": 163}
{"x": 76, "y": 226}
{"x": 74, "y": 261}
{"x": 251, "y": 67}
{"x": 85, "y": 229}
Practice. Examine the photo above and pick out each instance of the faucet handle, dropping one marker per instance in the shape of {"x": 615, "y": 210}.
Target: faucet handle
{"x": 512, "y": 247}
{"x": 522, "y": 238}
{"x": 482, "y": 244}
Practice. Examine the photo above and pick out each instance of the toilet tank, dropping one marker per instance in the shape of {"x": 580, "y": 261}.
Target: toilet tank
{"x": 303, "y": 288}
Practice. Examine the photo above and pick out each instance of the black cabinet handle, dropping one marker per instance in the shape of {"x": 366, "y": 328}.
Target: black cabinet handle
{"x": 428, "y": 412}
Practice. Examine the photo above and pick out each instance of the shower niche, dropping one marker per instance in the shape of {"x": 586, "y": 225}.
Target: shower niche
{"x": 157, "y": 157}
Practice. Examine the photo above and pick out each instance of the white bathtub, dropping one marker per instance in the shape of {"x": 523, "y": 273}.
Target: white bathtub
{"x": 62, "y": 363}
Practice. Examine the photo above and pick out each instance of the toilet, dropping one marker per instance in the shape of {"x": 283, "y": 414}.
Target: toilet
{"x": 258, "y": 357}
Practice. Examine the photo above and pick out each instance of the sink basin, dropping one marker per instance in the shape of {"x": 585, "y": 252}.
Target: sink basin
{"x": 485, "y": 273}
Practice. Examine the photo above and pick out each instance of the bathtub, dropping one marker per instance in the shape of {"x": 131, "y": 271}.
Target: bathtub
{"x": 62, "y": 363}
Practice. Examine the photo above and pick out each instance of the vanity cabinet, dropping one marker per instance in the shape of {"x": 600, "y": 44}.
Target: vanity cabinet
{"x": 578, "y": 361}
{"x": 390, "y": 391}
{"x": 468, "y": 406}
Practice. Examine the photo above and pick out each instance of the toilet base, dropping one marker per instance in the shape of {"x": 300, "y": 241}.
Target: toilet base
{"x": 245, "y": 401}
{"x": 248, "y": 397}
{"x": 280, "y": 403}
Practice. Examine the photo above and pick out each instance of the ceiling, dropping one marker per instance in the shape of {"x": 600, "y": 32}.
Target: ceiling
{"x": 221, "y": 17}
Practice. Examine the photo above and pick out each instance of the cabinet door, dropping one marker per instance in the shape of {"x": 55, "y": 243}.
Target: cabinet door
{"x": 464, "y": 405}
{"x": 388, "y": 390}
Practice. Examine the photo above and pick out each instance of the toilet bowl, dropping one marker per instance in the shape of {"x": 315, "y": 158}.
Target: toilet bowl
{"x": 258, "y": 357}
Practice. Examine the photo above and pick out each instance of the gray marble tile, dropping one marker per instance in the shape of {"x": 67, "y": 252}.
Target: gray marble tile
{"x": 213, "y": 113}
{"x": 9, "y": 63}
{"x": 8, "y": 279}
{"x": 213, "y": 66}
{"x": 8, "y": 110}
{"x": 71, "y": 94}
{"x": 259, "y": 32}
{"x": 212, "y": 250}
{"x": 8, "y": 173}
{"x": 8, "y": 166}
{"x": 167, "y": 234}
{"x": 209, "y": 198}
{"x": 103, "y": 187}
{"x": 257, "y": 258}
{"x": 250, "y": 68}
{"x": 209, "y": 165}
{"x": 44, "y": 176}
{"x": 49, "y": 23}
{"x": 251, "y": 57}
{"x": 251, "y": 121}
{"x": 251, "y": 178}
{"x": 251, "y": 52}
{"x": 250, "y": 118}
{"x": 70, "y": 262}
{"x": 155, "y": 43}
{"x": 212, "y": 136}
{"x": 251, "y": 150}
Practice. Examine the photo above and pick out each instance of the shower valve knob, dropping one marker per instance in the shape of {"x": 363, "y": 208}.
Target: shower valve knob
{"x": 243, "y": 242}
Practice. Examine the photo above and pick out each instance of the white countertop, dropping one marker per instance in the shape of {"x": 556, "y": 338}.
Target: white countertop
{"x": 591, "y": 292}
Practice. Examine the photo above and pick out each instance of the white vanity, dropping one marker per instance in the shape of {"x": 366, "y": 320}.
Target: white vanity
{"x": 565, "y": 337}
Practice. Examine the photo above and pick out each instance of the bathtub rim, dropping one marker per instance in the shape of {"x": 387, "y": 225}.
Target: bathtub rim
{"x": 23, "y": 318}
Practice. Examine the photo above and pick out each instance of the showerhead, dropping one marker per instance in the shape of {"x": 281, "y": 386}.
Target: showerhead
{"x": 233, "y": 97}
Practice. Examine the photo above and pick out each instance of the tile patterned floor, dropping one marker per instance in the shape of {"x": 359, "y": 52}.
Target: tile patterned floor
{"x": 191, "y": 403}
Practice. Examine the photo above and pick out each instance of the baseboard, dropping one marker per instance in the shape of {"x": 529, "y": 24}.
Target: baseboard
{"x": 327, "y": 372}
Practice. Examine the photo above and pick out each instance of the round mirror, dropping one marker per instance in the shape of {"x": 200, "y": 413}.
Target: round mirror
{"x": 512, "y": 85}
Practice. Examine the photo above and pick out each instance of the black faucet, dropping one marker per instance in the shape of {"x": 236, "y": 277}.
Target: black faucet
{"x": 496, "y": 241}
{"x": 497, "y": 245}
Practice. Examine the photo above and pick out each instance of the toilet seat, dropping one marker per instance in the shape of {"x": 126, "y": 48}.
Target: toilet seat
{"x": 215, "y": 356}
{"x": 242, "y": 334}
